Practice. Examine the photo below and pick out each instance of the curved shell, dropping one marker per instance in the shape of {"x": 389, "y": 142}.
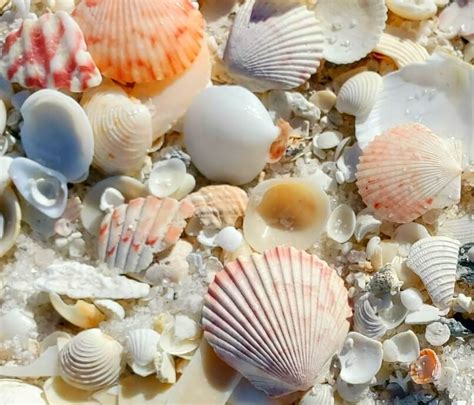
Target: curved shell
{"x": 142, "y": 346}
{"x": 403, "y": 347}
{"x": 366, "y": 319}
{"x": 320, "y": 394}
{"x": 461, "y": 228}
{"x": 259, "y": 304}
{"x": 81, "y": 314}
{"x": 413, "y": 10}
{"x": 15, "y": 392}
{"x": 66, "y": 65}
{"x": 91, "y": 360}
{"x": 132, "y": 233}
{"x": 408, "y": 171}
{"x": 341, "y": 223}
{"x": 357, "y": 96}
{"x": 402, "y": 51}
{"x": 273, "y": 45}
{"x": 141, "y": 40}
{"x": 122, "y": 129}
{"x": 166, "y": 177}
{"x": 435, "y": 261}
{"x": 10, "y": 220}
{"x": 426, "y": 368}
{"x": 456, "y": 19}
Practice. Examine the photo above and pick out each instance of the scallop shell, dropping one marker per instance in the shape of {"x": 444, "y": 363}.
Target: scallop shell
{"x": 91, "y": 361}
{"x": 10, "y": 220}
{"x": 341, "y": 223}
{"x": 320, "y": 394}
{"x": 413, "y": 10}
{"x": 357, "y": 96}
{"x": 408, "y": 171}
{"x": 65, "y": 65}
{"x": 290, "y": 211}
{"x": 141, "y": 40}
{"x": 435, "y": 261}
{"x": 402, "y": 51}
{"x": 15, "y": 392}
{"x": 259, "y": 304}
{"x": 461, "y": 228}
{"x": 366, "y": 319}
{"x": 273, "y": 45}
{"x": 132, "y": 233}
{"x": 81, "y": 314}
{"x": 142, "y": 346}
{"x": 351, "y": 28}
{"x": 122, "y": 129}
{"x": 427, "y": 368}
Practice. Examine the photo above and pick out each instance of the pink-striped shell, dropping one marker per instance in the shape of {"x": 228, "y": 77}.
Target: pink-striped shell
{"x": 132, "y": 233}
{"x": 408, "y": 171}
{"x": 141, "y": 40}
{"x": 277, "y": 318}
{"x": 49, "y": 53}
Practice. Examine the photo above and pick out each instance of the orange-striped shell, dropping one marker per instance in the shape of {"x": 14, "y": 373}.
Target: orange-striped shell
{"x": 141, "y": 40}
{"x": 426, "y": 368}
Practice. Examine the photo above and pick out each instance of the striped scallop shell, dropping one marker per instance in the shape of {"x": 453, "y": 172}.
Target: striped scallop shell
{"x": 10, "y": 216}
{"x": 141, "y": 40}
{"x": 408, "y": 171}
{"x": 142, "y": 346}
{"x": 122, "y": 129}
{"x": 402, "y": 51}
{"x": 277, "y": 318}
{"x": 132, "y": 233}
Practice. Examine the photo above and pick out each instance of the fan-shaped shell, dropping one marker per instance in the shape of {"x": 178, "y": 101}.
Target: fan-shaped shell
{"x": 91, "y": 360}
{"x": 277, "y": 318}
{"x": 15, "y": 392}
{"x": 132, "y": 233}
{"x": 408, "y": 171}
{"x": 10, "y": 220}
{"x": 435, "y": 261}
{"x": 461, "y": 228}
{"x": 142, "y": 346}
{"x": 426, "y": 368}
{"x": 402, "y": 51}
{"x": 141, "y": 40}
{"x": 273, "y": 45}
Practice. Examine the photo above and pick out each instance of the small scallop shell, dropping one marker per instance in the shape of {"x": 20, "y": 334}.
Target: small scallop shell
{"x": 10, "y": 220}
{"x": 402, "y": 51}
{"x": 15, "y": 392}
{"x": 341, "y": 223}
{"x": 427, "y": 368}
{"x": 403, "y": 347}
{"x": 461, "y": 228}
{"x": 366, "y": 320}
{"x": 320, "y": 394}
{"x": 166, "y": 177}
{"x": 91, "y": 361}
{"x": 413, "y": 10}
{"x": 141, "y": 40}
{"x": 142, "y": 346}
{"x": 357, "y": 95}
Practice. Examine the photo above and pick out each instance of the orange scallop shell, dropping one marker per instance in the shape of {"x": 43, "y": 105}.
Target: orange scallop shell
{"x": 425, "y": 368}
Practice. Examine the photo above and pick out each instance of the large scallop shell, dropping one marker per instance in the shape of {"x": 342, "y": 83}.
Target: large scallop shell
{"x": 141, "y": 40}
{"x": 10, "y": 220}
{"x": 408, "y": 171}
{"x": 402, "y": 51}
{"x": 132, "y": 233}
{"x": 435, "y": 260}
{"x": 277, "y": 318}
{"x": 273, "y": 45}
{"x": 91, "y": 360}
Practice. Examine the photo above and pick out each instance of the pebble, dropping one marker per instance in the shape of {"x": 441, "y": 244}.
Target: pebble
{"x": 437, "y": 333}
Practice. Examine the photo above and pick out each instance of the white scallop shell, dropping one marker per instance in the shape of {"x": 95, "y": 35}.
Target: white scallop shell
{"x": 273, "y": 45}
{"x": 81, "y": 314}
{"x": 320, "y": 394}
{"x": 15, "y": 392}
{"x": 366, "y": 319}
{"x": 413, "y": 10}
{"x": 142, "y": 346}
{"x": 435, "y": 260}
{"x": 461, "y": 228}
{"x": 257, "y": 304}
{"x": 402, "y": 51}
{"x": 357, "y": 95}
{"x": 10, "y": 220}
{"x": 403, "y": 347}
{"x": 91, "y": 360}
{"x": 166, "y": 177}
{"x": 341, "y": 223}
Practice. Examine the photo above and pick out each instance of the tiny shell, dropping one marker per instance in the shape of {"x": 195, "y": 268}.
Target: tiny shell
{"x": 229, "y": 239}
{"x": 112, "y": 309}
{"x": 341, "y": 223}
{"x": 10, "y": 214}
{"x": 427, "y": 368}
{"x": 142, "y": 346}
{"x": 403, "y": 347}
{"x": 413, "y": 10}
{"x": 402, "y": 51}
{"x": 366, "y": 224}
{"x": 437, "y": 333}
{"x": 411, "y": 299}
{"x": 15, "y": 392}
{"x": 81, "y": 314}
{"x": 366, "y": 319}
{"x": 166, "y": 177}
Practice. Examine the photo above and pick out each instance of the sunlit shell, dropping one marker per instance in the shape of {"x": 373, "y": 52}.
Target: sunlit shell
{"x": 66, "y": 64}
{"x": 341, "y": 223}
{"x": 402, "y": 51}
{"x": 290, "y": 211}
{"x": 132, "y": 233}
{"x": 273, "y": 45}
{"x": 403, "y": 347}
{"x": 408, "y": 171}
{"x": 366, "y": 319}
{"x": 10, "y": 220}
{"x": 142, "y": 346}
{"x": 320, "y": 394}
{"x": 461, "y": 228}
{"x": 182, "y": 337}
{"x": 426, "y": 368}
{"x": 81, "y": 314}
{"x": 141, "y": 40}
{"x": 258, "y": 304}
{"x": 166, "y": 177}
{"x": 15, "y": 392}
{"x": 413, "y": 10}
{"x": 352, "y": 393}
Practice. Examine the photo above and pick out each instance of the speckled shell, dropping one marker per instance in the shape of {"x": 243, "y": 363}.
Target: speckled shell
{"x": 141, "y": 40}
{"x": 426, "y": 368}
{"x": 277, "y": 318}
{"x": 401, "y": 51}
{"x": 11, "y": 214}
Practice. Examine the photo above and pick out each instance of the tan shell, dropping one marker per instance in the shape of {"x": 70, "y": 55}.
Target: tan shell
{"x": 81, "y": 314}
{"x": 11, "y": 214}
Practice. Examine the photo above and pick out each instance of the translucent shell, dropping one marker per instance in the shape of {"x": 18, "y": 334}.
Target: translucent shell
{"x": 426, "y": 368}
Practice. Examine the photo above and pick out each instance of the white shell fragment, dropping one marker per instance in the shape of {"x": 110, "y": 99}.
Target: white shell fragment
{"x": 182, "y": 337}
{"x": 112, "y": 309}
{"x": 328, "y": 139}
{"x": 229, "y": 239}
{"x": 403, "y": 347}
{"x": 341, "y": 223}
{"x": 366, "y": 224}
{"x": 366, "y": 318}
{"x": 437, "y": 333}
{"x": 411, "y": 299}
{"x": 457, "y": 19}
{"x": 10, "y": 220}
{"x": 413, "y": 10}
{"x": 166, "y": 177}
{"x": 5, "y": 180}
{"x": 14, "y": 392}
{"x": 402, "y": 51}
{"x": 423, "y": 316}
{"x": 142, "y": 346}
{"x": 46, "y": 365}
{"x": 16, "y": 323}
{"x": 461, "y": 229}
{"x": 110, "y": 199}
{"x": 352, "y": 392}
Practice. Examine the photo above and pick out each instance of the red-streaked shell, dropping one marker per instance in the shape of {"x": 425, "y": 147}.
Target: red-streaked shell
{"x": 277, "y": 318}
{"x": 132, "y": 233}
{"x": 141, "y": 40}
{"x": 49, "y": 53}
{"x": 408, "y": 171}
{"x": 426, "y": 368}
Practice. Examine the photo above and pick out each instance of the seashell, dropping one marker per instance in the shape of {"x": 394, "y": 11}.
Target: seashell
{"x": 408, "y": 171}
{"x": 229, "y": 133}
{"x": 141, "y": 41}
{"x": 91, "y": 361}
{"x": 351, "y": 28}
{"x": 142, "y": 345}
{"x": 347, "y": 162}
{"x": 122, "y": 129}
{"x": 290, "y": 211}
{"x": 110, "y": 308}
{"x": 10, "y": 220}
{"x": 14, "y": 392}
{"x": 325, "y": 100}
{"x": 423, "y": 316}
{"x": 461, "y": 228}
{"x": 435, "y": 260}
{"x": 165, "y": 367}
{"x": 17, "y": 323}
{"x": 57, "y": 392}
{"x": 456, "y": 19}
{"x": 229, "y": 239}
{"x": 110, "y": 199}
{"x": 273, "y": 45}
{"x": 361, "y": 359}
{"x": 182, "y": 337}
{"x": 419, "y": 10}
{"x": 426, "y": 369}
{"x": 46, "y": 365}
{"x": 67, "y": 65}
{"x": 186, "y": 187}
{"x": 357, "y": 95}
{"x": 3, "y": 116}
{"x": 384, "y": 281}
{"x": 366, "y": 319}
{"x": 407, "y": 234}
{"x": 352, "y": 392}
{"x": 402, "y": 51}
{"x": 341, "y": 223}
{"x": 54, "y": 119}
{"x": 395, "y": 313}
{"x": 411, "y": 299}
{"x": 43, "y": 188}
{"x": 403, "y": 347}
{"x": 61, "y": 5}
{"x": 5, "y": 180}
{"x": 327, "y": 140}
{"x": 437, "y": 333}
{"x": 132, "y": 233}
{"x": 320, "y": 394}
{"x": 81, "y": 314}
{"x": 366, "y": 224}
{"x": 248, "y": 307}
{"x": 166, "y": 177}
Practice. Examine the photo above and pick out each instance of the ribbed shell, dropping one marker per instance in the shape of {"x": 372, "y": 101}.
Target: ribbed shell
{"x": 11, "y": 214}
{"x": 461, "y": 228}
{"x": 141, "y": 40}
{"x": 277, "y": 318}
{"x": 132, "y": 233}
{"x": 142, "y": 346}
{"x": 435, "y": 261}
{"x": 426, "y": 368}
{"x": 366, "y": 320}
{"x": 408, "y": 171}
{"x": 91, "y": 361}
{"x": 273, "y": 45}
{"x": 401, "y": 51}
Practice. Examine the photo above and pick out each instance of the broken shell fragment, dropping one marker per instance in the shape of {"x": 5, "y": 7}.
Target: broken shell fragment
{"x": 16, "y": 323}
{"x": 411, "y": 299}
{"x": 182, "y": 337}
{"x": 110, "y": 199}
{"x": 15, "y": 392}
{"x": 437, "y": 333}
{"x": 423, "y": 316}
{"x": 112, "y": 309}
{"x": 10, "y": 220}
{"x": 142, "y": 346}
{"x": 456, "y": 19}
{"x": 366, "y": 224}
{"x": 81, "y": 314}
{"x": 366, "y": 319}
{"x": 413, "y": 10}
{"x": 341, "y": 223}
{"x": 426, "y": 368}
{"x": 166, "y": 177}
{"x": 403, "y": 347}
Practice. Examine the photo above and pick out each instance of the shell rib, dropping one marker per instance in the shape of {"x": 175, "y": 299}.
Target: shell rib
{"x": 273, "y": 45}
{"x": 277, "y": 318}
{"x": 141, "y": 40}
{"x": 408, "y": 171}
{"x": 401, "y": 50}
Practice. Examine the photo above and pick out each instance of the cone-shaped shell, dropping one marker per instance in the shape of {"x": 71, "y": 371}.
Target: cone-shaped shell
{"x": 277, "y": 318}
{"x": 10, "y": 215}
{"x": 408, "y": 171}
{"x": 141, "y": 40}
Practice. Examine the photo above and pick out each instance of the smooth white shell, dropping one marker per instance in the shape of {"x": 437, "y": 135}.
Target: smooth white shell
{"x": 411, "y": 299}
{"x": 403, "y": 347}
{"x": 413, "y": 10}
{"x": 437, "y": 333}
{"x": 142, "y": 346}
{"x": 229, "y": 239}
{"x": 186, "y": 187}
{"x": 341, "y": 223}
{"x": 110, "y": 308}
{"x": 10, "y": 214}
{"x": 423, "y": 316}
{"x": 15, "y": 392}
{"x": 328, "y": 139}
{"x": 166, "y": 177}
{"x": 182, "y": 337}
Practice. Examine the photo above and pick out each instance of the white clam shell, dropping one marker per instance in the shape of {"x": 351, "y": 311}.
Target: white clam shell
{"x": 413, "y": 10}
{"x": 461, "y": 229}
{"x": 403, "y": 347}
{"x": 341, "y": 223}
{"x": 14, "y": 392}
{"x": 166, "y": 177}
{"x": 10, "y": 214}
{"x": 81, "y": 314}
{"x": 366, "y": 319}
{"x": 142, "y": 346}
{"x": 437, "y": 333}
{"x": 402, "y": 51}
